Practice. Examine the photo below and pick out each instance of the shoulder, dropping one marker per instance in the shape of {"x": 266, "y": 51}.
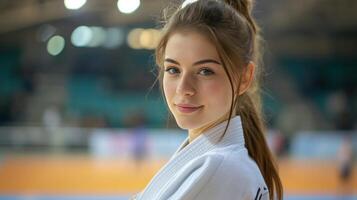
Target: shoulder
{"x": 224, "y": 173}
{"x": 239, "y": 166}
{"x": 238, "y": 175}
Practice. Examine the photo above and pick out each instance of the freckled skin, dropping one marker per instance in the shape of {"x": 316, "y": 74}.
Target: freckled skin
{"x": 189, "y": 84}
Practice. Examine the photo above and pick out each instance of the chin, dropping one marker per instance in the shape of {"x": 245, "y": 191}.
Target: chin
{"x": 188, "y": 124}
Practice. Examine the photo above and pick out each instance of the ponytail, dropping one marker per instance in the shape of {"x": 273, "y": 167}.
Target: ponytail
{"x": 249, "y": 109}
{"x": 257, "y": 146}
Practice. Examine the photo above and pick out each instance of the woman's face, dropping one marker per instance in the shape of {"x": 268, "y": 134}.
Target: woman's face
{"x": 196, "y": 87}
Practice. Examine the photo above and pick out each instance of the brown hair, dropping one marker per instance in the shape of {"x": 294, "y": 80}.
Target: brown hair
{"x": 229, "y": 25}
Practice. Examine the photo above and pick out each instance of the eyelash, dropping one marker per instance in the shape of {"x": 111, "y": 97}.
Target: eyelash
{"x": 202, "y": 69}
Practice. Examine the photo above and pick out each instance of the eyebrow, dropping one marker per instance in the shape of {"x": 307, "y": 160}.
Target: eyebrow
{"x": 196, "y": 63}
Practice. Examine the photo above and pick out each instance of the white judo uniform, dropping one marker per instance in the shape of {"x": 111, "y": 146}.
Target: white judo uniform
{"x": 208, "y": 169}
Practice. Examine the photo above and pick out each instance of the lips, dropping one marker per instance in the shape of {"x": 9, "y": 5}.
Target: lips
{"x": 187, "y": 108}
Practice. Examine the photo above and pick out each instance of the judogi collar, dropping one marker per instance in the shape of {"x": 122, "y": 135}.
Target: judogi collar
{"x": 204, "y": 143}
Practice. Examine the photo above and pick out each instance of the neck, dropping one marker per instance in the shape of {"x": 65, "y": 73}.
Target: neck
{"x": 194, "y": 133}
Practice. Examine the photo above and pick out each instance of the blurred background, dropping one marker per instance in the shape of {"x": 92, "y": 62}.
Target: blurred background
{"x": 81, "y": 117}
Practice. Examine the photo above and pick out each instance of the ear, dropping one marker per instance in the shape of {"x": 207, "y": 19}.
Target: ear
{"x": 247, "y": 77}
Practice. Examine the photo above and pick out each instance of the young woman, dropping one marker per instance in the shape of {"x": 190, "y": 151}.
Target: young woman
{"x": 207, "y": 58}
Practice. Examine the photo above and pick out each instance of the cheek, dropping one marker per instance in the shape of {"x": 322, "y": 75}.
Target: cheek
{"x": 218, "y": 94}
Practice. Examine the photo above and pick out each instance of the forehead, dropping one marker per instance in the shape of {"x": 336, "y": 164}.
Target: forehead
{"x": 190, "y": 46}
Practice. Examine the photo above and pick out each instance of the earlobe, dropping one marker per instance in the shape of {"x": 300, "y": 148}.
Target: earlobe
{"x": 247, "y": 77}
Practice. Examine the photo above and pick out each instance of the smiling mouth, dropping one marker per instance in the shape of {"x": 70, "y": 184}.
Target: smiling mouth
{"x": 187, "y": 109}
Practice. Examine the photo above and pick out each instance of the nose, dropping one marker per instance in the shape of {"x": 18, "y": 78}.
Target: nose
{"x": 185, "y": 86}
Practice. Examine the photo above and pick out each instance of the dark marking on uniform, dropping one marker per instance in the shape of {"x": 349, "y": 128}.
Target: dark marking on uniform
{"x": 256, "y": 196}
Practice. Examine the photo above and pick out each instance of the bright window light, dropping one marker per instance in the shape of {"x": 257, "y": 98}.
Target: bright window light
{"x": 55, "y": 45}
{"x": 74, "y": 4}
{"x": 133, "y": 38}
{"x": 81, "y": 36}
{"x": 128, "y": 6}
{"x": 98, "y": 37}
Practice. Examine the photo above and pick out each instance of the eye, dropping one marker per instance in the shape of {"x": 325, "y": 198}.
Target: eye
{"x": 172, "y": 70}
{"x": 206, "y": 72}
